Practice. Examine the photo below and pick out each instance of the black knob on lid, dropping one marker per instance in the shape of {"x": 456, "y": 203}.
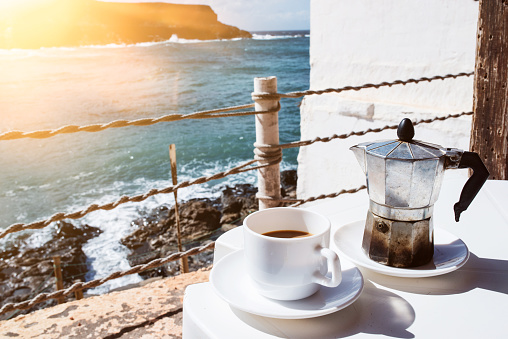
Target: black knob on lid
{"x": 406, "y": 131}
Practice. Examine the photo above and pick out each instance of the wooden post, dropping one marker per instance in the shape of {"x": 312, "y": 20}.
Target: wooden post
{"x": 78, "y": 293}
{"x": 184, "y": 264}
{"x": 267, "y": 133}
{"x": 489, "y": 132}
{"x": 58, "y": 276}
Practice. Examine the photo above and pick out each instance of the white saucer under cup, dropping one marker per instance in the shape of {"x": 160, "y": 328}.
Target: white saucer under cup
{"x": 230, "y": 282}
{"x": 289, "y": 268}
{"x": 450, "y": 253}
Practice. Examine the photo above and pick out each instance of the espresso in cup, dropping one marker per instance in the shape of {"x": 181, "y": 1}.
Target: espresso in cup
{"x": 287, "y": 255}
{"x": 287, "y": 234}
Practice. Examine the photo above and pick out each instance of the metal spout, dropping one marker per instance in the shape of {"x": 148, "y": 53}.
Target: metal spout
{"x": 359, "y": 152}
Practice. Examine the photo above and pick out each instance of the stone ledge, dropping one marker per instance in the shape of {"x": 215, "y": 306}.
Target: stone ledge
{"x": 150, "y": 311}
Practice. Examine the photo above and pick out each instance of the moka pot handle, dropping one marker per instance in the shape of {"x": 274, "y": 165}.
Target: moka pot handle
{"x": 474, "y": 183}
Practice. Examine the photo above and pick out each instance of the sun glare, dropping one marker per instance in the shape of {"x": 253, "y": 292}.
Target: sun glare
{"x": 13, "y": 4}
{"x": 36, "y": 23}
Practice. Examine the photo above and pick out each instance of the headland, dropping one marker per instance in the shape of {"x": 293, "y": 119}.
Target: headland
{"x": 63, "y": 23}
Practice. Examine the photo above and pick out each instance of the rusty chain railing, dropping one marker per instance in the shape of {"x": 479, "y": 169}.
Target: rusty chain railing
{"x": 236, "y": 170}
{"x": 360, "y": 133}
{"x": 97, "y": 282}
{"x": 125, "y": 199}
{"x": 216, "y": 113}
{"x": 300, "y": 94}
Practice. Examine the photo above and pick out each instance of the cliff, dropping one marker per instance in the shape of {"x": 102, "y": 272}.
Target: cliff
{"x": 58, "y": 23}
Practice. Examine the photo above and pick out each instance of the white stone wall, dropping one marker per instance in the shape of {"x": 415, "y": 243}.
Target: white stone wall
{"x": 372, "y": 41}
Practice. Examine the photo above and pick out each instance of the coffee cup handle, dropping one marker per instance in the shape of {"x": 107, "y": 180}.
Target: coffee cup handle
{"x": 333, "y": 263}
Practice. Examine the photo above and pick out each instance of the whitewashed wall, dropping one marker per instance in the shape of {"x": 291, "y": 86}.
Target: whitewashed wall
{"x": 372, "y": 41}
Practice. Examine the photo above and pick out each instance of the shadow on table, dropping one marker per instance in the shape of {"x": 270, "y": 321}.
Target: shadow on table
{"x": 489, "y": 274}
{"x": 376, "y": 312}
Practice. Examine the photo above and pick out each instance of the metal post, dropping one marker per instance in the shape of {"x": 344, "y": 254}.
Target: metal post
{"x": 267, "y": 133}
{"x": 184, "y": 264}
{"x": 58, "y": 276}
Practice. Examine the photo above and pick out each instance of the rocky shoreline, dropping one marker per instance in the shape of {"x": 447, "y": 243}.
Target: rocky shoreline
{"x": 201, "y": 221}
{"x": 26, "y": 272}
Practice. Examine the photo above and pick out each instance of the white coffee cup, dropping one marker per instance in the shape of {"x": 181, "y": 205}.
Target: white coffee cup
{"x": 289, "y": 268}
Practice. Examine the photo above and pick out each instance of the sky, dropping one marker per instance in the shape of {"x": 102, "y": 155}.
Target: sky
{"x": 255, "y": 15}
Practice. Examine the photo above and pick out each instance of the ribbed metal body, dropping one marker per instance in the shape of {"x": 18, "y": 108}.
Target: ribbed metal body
{"x": 403, "y": 180}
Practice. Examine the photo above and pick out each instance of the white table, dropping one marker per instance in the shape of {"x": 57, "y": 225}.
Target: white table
{"x": 471, "y": 302}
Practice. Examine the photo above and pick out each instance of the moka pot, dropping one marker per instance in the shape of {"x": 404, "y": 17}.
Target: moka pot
{"x": 404, "y": 178}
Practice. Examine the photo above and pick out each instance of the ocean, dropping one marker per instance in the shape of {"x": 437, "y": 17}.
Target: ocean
{"x": 52, "y": 87}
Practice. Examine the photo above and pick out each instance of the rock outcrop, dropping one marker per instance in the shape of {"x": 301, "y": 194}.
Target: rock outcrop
{"x": 26, "y": 272}
{"x": 238, "y": 202}
{"x": 57, "y": 23}
{"x": 156, "y": 235}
